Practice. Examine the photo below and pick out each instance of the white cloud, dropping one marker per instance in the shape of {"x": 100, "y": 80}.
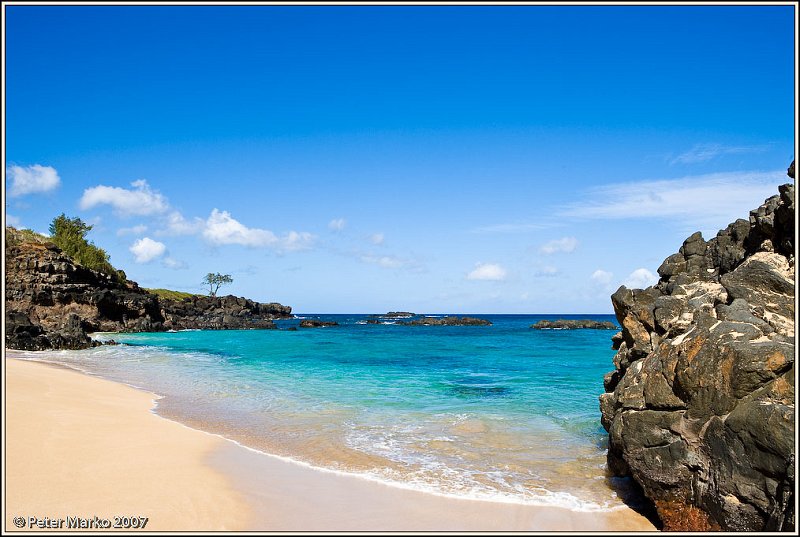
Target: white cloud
{"x": 135, "y": 230}
{"x": 376, "y": 238}
{"x": 176, "y": 224}
{"x": 705, "y": 202}
{"x": 141, "y": 200}
{"x": 13, "y": 221}
{"x": 31, "y": 179}
{"x": 337, "y": 224}
{"x": 565, "y": 245}
{"x": 705, "y": 152}
{"x": 146, "y": 249}
{"x": 172, "y": 263}
{"x": 487, "y": 271}
{"x": 296, "y": 240}
{"x": 602, "y": 276}
{"x": 640, "y": 278}
{"x": 221, "y": 228}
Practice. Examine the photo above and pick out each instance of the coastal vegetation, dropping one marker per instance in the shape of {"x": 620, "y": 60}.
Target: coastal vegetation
{"x": 216, "y": 280}
{"x": 69, "y": 234}
{"x": 169, "y": 294}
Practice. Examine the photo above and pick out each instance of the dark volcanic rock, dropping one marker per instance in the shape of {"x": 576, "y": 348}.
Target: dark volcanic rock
{"x": 316, "y": 323}
{"x": 52, "y": 303}
{"x": 447, "y": 321}
{"x": 400, "y": 314}
{"x": 574, "y": 324}
{"x": 700, "y": 409}
{"x": 221, "y": 313}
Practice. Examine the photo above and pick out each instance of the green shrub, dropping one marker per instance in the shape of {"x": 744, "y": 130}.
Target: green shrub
{"x": 69, "y": 234}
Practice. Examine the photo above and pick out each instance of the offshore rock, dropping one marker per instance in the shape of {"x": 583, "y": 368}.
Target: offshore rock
{"x": 574, "y": 324}
{"x": 700, "y": 408}
{"x": 447, "y": 321}
{"x": 316, "y": 323}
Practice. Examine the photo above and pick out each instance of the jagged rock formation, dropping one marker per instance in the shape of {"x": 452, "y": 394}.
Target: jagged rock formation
{"x": 446, "y": 321}
{"x": 700, "y": 409}
{"x": 53, "y": 303}
{"x": 221, "y": 313}
{"x": 574, "y": 324}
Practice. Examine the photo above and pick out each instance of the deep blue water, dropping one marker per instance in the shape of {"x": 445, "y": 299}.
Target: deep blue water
{"x": 503, "y": 411}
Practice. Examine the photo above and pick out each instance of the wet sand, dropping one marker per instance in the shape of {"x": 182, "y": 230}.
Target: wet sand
{"x": 78, "y": 445}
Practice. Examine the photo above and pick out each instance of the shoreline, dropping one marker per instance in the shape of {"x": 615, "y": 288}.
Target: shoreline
{"x": 256, "y": 490}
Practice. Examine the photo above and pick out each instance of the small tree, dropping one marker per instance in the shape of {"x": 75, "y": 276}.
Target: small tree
{"x": 215, "y": 281}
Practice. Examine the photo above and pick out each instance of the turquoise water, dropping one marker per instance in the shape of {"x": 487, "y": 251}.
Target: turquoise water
{"x": 500, "y": 412}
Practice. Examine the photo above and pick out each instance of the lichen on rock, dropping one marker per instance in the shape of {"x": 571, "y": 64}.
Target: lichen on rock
{"x": 700, "y": 407}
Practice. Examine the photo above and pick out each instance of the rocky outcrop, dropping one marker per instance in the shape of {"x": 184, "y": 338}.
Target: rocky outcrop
{"x": 221, "y": 313}
{"x": 700, "y": 408}
{"x": 446, "y": 321}
{"x": 399, "y": 314}
{"x": 574, "y": 324}
{"x": 316, "y": 323}
{"x": 53, "y": 302}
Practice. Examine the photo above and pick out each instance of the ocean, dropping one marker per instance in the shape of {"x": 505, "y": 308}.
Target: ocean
{"x": 503, "y": 412}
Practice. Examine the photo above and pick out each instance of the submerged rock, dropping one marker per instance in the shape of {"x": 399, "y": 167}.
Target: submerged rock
{"x": 700, "y": 409}
{"x": 574, "y": 324}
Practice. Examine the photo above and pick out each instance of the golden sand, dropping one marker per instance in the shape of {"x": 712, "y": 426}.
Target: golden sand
{"x": 80, "y": 446}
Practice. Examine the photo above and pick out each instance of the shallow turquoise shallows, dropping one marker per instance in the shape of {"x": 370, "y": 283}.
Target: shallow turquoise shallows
{"x": 501, "y": 412}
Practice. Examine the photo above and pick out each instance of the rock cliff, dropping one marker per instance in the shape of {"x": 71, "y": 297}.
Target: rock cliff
{"x": 53, "y": 302}
{"x": 700, "y": 408}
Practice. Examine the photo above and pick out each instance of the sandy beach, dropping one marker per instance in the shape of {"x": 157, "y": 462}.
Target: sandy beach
{"x": 81, "y": 446}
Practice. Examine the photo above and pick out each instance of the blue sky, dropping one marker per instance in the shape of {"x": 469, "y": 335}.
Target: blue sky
{"x": 469, "y": 159}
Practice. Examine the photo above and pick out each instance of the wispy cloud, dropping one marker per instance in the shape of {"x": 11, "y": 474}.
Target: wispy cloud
{"x": 172, "y": 263}
{"x": 710, "y": 200}
{"x": 221, "y": 228}
{"x": 385, "y": 261}
{"x": 140, "y": 200}
{"x": 512, "y": 228}
{"x": 563, "y": 245}
{"x": 708, "y": 151}
{"x": 13, "y": 221}
{"x": 135, "y": 230}
{"x": 35, "y": 179}
{"x": 337, "y": 224}
{"x": 547, "y": 271}
{"x": 376, "y": 238}
{"x": 487, "y": 272}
